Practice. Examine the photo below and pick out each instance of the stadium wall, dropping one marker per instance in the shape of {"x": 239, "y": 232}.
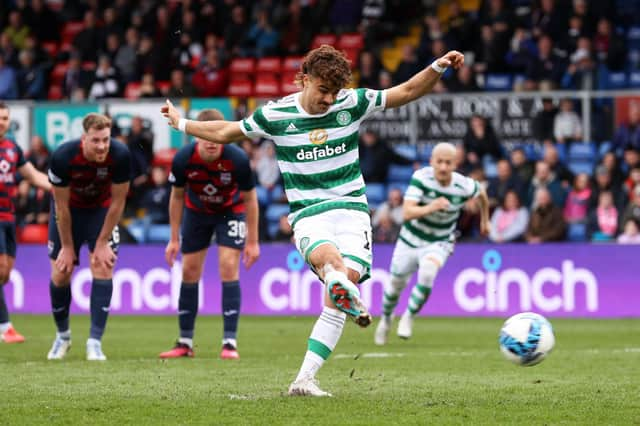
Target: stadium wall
{"x": 561, "y": 280}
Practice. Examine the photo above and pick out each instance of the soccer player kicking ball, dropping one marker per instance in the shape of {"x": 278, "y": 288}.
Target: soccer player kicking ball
{"x": 12, "y": 161}
{"x": 431, "y": 207}
{"x": 217, "y": 185}
{"x": 316, "y": 137}
{"x": 90, "y": 178}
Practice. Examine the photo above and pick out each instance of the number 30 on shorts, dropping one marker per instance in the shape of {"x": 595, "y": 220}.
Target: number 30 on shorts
{"x": 237, "y": 229}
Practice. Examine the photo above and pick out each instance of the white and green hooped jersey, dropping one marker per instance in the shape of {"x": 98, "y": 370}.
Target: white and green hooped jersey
{"x": 318, "y": 154}
{"x": 441, "y": 225}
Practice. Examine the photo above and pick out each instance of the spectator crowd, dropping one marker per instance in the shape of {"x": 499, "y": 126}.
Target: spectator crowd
{"x": 101, "y": 49}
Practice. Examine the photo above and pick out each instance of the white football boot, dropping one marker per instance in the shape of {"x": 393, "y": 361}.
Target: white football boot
{"x": 405, "y": 326}
{"x": 307, "y": 386}
{"x": 94, "y": 350}
{"x": 382, "y": 331}
{"x": 59, "y": 348}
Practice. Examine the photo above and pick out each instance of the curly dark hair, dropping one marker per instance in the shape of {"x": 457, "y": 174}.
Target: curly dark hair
{"x": 327, "y": 64}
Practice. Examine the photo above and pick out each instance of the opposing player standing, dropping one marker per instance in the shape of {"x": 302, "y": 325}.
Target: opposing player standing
{"x": 431, "y": 207}
{"x": 12, "y": 161}
{"x": 90, "y": 178}
{"x": 316, "y": 137}
{"x": 218, "y": 187}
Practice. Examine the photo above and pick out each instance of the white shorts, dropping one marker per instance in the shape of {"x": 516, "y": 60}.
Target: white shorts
{"x": 406, "y": 259}
{"x": 348, "y": 230}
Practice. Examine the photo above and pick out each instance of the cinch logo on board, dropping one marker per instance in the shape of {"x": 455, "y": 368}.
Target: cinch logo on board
{"x": 157, "y": 289}
{"x": 547, "y": 289}
{"x": 296, "y": 287}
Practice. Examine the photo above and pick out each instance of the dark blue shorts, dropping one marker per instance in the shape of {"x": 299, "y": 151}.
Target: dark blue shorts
{"x": 199, "y": 229}
{"x": 86, "y": 225}
{"x": 8, "y": 238}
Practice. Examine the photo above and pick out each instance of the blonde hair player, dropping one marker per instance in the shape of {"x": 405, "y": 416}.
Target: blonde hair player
{"x": 316, "y": 136}
{"x": 431, "y": 207}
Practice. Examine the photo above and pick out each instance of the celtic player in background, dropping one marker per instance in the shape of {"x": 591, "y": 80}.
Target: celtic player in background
{"x": 316, "y": 137}
{"x": 431, "y": 207}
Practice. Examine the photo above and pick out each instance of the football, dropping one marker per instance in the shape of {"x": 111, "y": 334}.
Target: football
{"x": 526, "y": 339}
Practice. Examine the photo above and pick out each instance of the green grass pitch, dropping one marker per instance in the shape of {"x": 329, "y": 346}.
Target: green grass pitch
{"x": 450, "y": 372}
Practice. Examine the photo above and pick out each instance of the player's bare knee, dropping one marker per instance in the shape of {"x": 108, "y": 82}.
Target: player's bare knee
{"x": 102, "y": 272}
{"x": 191, "y": 273}
{"x": 228, "y": 269}
{"x": 60, "y": 279}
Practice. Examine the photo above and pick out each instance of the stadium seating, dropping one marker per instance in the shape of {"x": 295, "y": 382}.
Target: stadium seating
{"x": 350, "y": 41}
{"x": 266, "y": 86}
{"x": 33, "y": 234}
{"x": 398, "y": 174}
{"x": 582, "y": 151}
{"x": 291, "y": 64}
{"x": 424, "y": 152}
{"x": 273, "y": 214}
{"x": 577, "y": 232}
{"x": 287, "y": 84}
{"x": 581, "y": 166}
{"x": 321, "y": 39}
{"x": 54, "y": 93}
{"x": 498, "y": 82}
{"x": 132, "y": 90}
{"x": 376, "y": 194}
{"x": 70, "y": 30}
{"x": 242, "y": 68}
{"x": 270, "y": 65}
{"x": 240, "y": 88}
{"x": 158, "y": 233}
{"x": 634, "y": 79}
{"x": 58, "y": 72}
{"x": 407, "y": 151}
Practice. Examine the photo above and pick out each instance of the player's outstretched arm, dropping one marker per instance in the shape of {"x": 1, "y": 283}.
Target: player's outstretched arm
{"x": 34, "y": 176}
{"x": 422, "y": 83}
{"x": 218, "y": 131}
{"x": 176, "y": 206}
{"x": 251, "y": 247}
{"x": 103, "y": 254}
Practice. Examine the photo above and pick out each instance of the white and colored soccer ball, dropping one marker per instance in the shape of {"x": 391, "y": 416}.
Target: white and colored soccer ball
{"x": 526, "y": 338}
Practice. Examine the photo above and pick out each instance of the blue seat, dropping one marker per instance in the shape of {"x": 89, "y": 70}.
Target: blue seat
{"x": 158, "y": 233}
{"x": 577, "y": 232}
{"x": 376, "y": 193}
{"x": 605, "y": 146}
{"x": 582, "y": 151}
{"x": 274, "y": 211}
{"x": 634, "y": 79}
{"x": 498, "y": 82}
{"x": 272, "y": 228}
{"x": 532, "y": 151}
{"x": 400, "y": 173}
{"x": 264, "y": 197}
{"x": 633, "y": 38}
{"x": 424, "y": 152}
{"x": 562, "y": 152}
{"x": 581, "y": 166}
{"x": 617, "y": 80}
{"x": 408, "y": 151}
{"x": 137, "y": 230}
